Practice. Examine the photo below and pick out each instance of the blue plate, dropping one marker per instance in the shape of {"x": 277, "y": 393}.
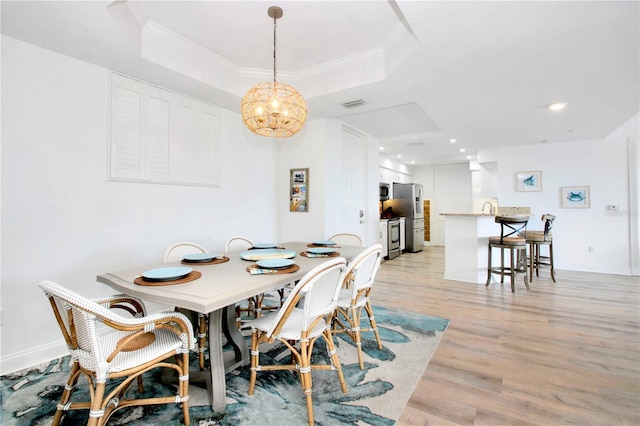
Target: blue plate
{"x": 264, "y": 245}
{"x": 321, "y": 250}
{"x": 260, "y": 254}
{"x": 324, "y": 243}
{"x": 199, "y": 257}
{"x": 166, "y": 274}
{"x": 275, "y": 263}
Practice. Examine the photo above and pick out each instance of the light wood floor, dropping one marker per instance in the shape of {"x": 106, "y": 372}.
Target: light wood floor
{"x": 563, "y": 353}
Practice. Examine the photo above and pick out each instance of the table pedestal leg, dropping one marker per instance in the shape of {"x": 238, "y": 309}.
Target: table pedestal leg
{"x": 223, "y": 320}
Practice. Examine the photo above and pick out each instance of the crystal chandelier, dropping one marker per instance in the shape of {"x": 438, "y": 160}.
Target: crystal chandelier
{"x": 274, "y": 109}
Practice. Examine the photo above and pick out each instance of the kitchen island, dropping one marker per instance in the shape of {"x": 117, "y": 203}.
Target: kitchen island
{"x": 466, "y": 236}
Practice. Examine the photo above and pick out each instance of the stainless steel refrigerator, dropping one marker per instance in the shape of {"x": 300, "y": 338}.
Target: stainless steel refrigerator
{"x": 407, "y": 201}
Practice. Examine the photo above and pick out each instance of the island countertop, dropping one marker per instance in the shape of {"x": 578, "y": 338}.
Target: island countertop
{"x": 465, "y": 242}
{"x": 502, "y": 211}
{"x": 467, "y": 214}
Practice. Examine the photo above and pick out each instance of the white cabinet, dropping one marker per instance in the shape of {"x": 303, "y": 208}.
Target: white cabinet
{"x": 403, "y": 237}
{"x": 383, "y": 237}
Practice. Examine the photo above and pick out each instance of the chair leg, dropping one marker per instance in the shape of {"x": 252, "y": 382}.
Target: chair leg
{"x": 202, "y": 338}
{"x": 531, "y": 260}
{"x": 255, "y": 354}
{"x": 335, "y": 361}
{"x": 96, "y": 403}
{"x": 513, "y": 266}
{"x": 305, "y": 377}
{"x": 502, "y": 265}
{"x": 355, "y": 333}
{"x": 184, "y": 388}
{"x": 553, "y": 277}
{"x": 66, "y": 394}
{"x": 522, "y": 254}
{"x": 489, "y": 267}
{"x": 372, "y": 321}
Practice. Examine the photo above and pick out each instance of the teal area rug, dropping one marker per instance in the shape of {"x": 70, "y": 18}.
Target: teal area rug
{"x": 376, "y": 395}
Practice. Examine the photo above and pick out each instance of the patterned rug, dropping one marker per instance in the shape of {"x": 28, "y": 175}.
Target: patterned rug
{"x": 376, "y": 395}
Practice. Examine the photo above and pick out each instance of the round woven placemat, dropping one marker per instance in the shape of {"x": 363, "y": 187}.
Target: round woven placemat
{"x": 307, "y": 254}
{"x": 287, "y": 270}
{"x": 140, "y": 341}
{"x": 193, "y": 275}
{"x": 209, "y": 262}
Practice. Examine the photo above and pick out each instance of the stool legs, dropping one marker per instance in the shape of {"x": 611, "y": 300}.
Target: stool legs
{"x": 518, "y": 264}
{"x": 536, "y": 259}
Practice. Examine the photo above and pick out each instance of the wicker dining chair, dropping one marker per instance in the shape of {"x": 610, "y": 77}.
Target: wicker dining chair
{"x": 255, "y": 303}
{"x": 298, "y": 327}
{"x": 130, "y": 346}
{"x": 200, "y": 321}
{"x": 347, "y": 239}
{"x": 355, "y": 296}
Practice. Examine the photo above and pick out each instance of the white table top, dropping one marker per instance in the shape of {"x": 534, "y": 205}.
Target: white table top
{"x": 221, "y": 284}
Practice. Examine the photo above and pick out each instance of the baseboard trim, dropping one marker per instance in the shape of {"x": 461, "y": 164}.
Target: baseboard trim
{"x": 39, "y": 355}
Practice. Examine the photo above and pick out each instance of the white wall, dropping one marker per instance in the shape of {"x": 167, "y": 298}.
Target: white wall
{"x": 62, "y": 220}
{"x": 600, "y": 164}
{"x": 320, "y": 151}
{"x": 448, "y": 187}
{"x": 592, "y": 240}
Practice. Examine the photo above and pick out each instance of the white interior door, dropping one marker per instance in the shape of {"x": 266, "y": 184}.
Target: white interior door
{"x": 354, "y": 167}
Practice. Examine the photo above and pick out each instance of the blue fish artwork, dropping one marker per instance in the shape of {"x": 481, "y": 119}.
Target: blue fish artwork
{"x": 530, "y": 181}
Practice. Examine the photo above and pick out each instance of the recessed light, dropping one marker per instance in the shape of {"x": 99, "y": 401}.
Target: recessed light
{"x": 468, "y": 157}
{"x": 557, "y": 106}
{"x": 462, "y": 150}
{"x": 452, "y": 141}
{"x": 382, "y": 148}
{"x": 399, "y": 156}
{"x": 413, "y": 162}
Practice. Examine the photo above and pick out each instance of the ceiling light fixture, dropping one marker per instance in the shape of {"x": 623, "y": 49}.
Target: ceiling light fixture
{"x": 557, "y": 106}
{"x": 274, "y": 109}
{"x": 452, "y": 141}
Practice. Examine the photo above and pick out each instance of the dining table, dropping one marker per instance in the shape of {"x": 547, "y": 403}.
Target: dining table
{"x": 220, "y": 286}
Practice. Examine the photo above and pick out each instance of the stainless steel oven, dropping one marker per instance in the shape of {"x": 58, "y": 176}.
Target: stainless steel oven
{"x": 394, "y": 238}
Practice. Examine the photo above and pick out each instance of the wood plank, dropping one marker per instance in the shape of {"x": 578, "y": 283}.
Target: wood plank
{"x": 560, "y": 353}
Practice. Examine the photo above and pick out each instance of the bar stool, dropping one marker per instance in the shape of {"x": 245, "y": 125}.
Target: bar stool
{"x": 536, "y": 239}
{"x": 510, "y": 229}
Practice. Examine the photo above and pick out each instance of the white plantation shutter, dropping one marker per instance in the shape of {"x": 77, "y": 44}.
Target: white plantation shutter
{"x": 126, "y": 117}
{"x": 158, "y": 136}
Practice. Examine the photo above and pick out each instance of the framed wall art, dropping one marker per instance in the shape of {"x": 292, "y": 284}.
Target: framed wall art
{"x": 575, "y": 197}
{"x": 528, "y": 181}
{"x": 299, "y": 190}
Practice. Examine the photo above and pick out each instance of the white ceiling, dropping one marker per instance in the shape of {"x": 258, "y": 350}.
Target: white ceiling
{"x": 480, "y": 72}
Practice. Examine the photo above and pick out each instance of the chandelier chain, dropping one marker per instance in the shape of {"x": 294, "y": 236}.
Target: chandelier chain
{"x": 275, "y": 26}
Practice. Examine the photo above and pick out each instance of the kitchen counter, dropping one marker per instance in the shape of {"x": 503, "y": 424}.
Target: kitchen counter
{"x": 466, "y": 237}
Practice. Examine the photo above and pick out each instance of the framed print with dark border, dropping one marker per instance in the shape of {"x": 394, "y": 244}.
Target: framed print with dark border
{"x": 299, "y": 190}
{"x": 528, "y": 181}
{"x": 575, "y": 197}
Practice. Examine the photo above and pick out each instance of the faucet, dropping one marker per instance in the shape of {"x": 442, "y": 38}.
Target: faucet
{"x": 490, "y": 207}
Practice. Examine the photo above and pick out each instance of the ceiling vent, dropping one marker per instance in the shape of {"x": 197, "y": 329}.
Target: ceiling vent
{"x": 415, "y": 143}
{"x": 352, "y": 104}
